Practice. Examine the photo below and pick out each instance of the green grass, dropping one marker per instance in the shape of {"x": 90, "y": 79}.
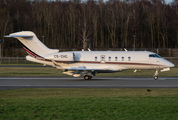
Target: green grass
{"x": 30, "y": 71}
{"x": 50, "y": 71}
{"x": 22, "y": 64}
{"x": 142, "y": 73}
{"x": 89, "y": 104}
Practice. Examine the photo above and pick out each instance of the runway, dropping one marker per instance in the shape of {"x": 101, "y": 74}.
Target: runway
{"x": 97, "y": 82}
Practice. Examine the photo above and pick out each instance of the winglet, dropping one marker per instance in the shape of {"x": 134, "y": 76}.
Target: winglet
{"x": 30, "y": 41}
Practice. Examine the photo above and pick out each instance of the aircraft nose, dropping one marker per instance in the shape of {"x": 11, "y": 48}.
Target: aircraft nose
{"x": 171, "y": 65}
{"x": 168, "y": 64}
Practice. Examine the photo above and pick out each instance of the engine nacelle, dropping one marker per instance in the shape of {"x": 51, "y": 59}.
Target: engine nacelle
{"x": 63, "y": 57}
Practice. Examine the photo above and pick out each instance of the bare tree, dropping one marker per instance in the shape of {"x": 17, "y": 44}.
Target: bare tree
{"x": 151, "y": 21}
{"x": 85, "y": 28}
{"x": 5, "y": 26}
{"x": 108, "y": 24}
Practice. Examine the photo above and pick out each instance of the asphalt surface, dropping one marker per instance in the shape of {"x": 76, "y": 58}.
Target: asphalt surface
{"x": 97, "y": 82}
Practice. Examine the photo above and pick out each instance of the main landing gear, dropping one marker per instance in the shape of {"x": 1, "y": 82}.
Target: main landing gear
{"x": 87, "y": 77}
{"x": 156, "y": 75}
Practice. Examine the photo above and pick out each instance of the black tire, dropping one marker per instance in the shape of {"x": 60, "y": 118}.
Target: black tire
{"x": 155, "y": 77}
{"x": 86, "y": 77}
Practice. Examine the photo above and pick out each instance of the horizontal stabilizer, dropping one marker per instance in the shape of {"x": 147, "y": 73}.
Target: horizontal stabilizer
{"x": 32, "y": 43}
{"x": 23, "y": 36}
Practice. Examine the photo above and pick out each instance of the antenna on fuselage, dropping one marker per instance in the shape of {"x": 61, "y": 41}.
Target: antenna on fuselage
{"x": 86, "y": 42}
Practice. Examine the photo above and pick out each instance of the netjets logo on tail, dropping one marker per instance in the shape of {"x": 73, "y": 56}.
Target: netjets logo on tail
{"x": 33, "y": 54}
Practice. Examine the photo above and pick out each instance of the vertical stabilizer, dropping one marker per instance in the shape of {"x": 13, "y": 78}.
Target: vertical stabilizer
{"x": 32, "y": 43}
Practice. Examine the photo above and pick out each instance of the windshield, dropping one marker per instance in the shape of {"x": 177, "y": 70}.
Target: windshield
{"x": 154, "y": 55}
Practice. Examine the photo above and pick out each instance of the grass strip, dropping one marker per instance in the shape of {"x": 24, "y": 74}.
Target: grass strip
{"x": 50, "y": 71}
{"x": 87, "y": 104}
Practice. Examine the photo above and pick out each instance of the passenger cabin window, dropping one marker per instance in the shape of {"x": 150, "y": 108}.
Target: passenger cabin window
{"x": 115, "y": 58}
{"x": 154, "y": 55}
{"x": 102, "y": 58}
{"x": 95, "y": 58}
{"x": 122, "y": 58}
{"x": 109, "y": 58}
{"x": 129, "y": 58}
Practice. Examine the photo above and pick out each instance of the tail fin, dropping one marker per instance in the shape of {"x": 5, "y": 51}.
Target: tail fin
{"x": 31, "y": 43}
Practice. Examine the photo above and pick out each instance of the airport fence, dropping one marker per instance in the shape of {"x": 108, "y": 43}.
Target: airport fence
{"x": 22, "y": 60}
{"x": 14, "y": 60}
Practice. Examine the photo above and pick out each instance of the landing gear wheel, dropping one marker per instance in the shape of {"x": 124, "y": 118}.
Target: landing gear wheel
{"x": 86, "y": 77}
{"x": 155, "y": 77}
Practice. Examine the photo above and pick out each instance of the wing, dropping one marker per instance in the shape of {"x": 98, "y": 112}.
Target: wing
{"x": 80, "y": 71}
{"x": 83, "y": 70}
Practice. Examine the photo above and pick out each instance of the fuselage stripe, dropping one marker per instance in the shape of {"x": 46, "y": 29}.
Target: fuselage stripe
{"x": 34, "y": 55}
{"x": 29, "y": 52}
{"x": 91, "y": 62}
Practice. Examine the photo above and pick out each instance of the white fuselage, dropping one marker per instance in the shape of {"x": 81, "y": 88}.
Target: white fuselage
{"x": 105, "y": 60}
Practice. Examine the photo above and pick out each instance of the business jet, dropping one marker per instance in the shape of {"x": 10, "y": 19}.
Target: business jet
{"x": 89, "y": 63}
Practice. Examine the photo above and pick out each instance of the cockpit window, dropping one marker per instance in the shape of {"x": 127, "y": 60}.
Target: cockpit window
{"x": 154, "y": 55}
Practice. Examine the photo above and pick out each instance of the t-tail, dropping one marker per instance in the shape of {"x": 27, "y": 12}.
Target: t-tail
{"x": 32, "y": 45}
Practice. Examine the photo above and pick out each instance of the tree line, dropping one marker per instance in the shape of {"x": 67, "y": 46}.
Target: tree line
{"x": 109, "y": 24}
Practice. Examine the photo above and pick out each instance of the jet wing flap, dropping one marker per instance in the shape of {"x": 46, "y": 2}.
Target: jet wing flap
{"x": 90, "y": 70}
{"x": 81, "y": 68}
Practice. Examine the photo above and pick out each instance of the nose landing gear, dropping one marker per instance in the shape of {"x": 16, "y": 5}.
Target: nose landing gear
{"x": 156, "y": 75}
